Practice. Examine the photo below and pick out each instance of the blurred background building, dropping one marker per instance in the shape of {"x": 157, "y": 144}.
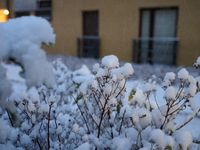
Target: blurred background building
{"x": 142, "y": 31}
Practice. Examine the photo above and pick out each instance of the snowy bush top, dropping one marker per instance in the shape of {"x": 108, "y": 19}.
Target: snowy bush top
{"x": 23, "y": 30}
{"x": 183, "y": 74}
{"x": 110, "y": 61}
{"x": 21, "y": 41}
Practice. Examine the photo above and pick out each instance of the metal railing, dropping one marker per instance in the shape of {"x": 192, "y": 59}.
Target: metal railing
{"x": 155, "y": 50}
{"x": 88, "y": 46}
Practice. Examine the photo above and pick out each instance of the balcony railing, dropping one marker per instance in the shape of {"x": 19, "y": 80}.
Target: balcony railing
{"x": 88, "y": 46}
{"x": 155, "y": 50}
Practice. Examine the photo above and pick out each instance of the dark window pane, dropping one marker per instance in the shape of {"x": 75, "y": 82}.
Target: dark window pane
{"x": 157, "y": 28}
{"x": 20, "y": 14}
{"x": 90, "y": 23}
{"x": 44, "y": 4}
{"x": 44, "y": 14}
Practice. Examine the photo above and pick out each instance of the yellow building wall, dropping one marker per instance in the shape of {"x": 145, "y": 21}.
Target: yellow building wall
{"x": 119, "y": 23}
{"x": 2, "y": 4}
{"x": 188, "y": 32}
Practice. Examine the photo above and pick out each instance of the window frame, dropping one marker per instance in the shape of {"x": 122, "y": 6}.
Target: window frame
{"x": 152, "y": 18}
{"x": 151, "y": 27}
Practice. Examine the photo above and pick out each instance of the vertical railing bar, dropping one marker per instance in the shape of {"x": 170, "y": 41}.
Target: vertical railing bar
{"x": 78, "y": 47}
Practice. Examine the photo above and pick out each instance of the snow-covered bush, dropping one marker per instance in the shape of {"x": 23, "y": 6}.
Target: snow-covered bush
{"x": 111, "y": 116}
{"x": 94, "y": 111}
{"x": 20, "y": 41}
{"x": 62, "y": 109}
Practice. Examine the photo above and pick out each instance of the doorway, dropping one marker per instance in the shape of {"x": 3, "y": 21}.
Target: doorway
{"x": 158, "y": 28}
{"x": 90, "y": 38}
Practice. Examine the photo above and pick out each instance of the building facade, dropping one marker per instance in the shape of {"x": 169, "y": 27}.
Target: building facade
{"x": 142, "y": 31}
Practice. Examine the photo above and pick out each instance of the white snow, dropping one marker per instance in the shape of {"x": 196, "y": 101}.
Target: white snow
{"x": 170, "y": 76}
{"x": 25, "y": 139}
{"x": 84, "y": 146}
{"x": 169, "y": 140}
{"x": 83, "y": 71}
{"x": 52, "y": 99}
{"x": 43, "y": 108}
{"x": 100, "y": 73}
{"x": 197, "y": 62}
{"x": 121, "y": 143}
{"x": 158, "y": 137}
{"x": 95, "y": 68}
{"x": 75, "y": 128}
{"x": 59, "y": 130}
{"x": 25, "y": 126}
{"x": 127, "y": 70}
{"x": 110, "y": 61}
{"x": 138, "y": 98}
{"x": 24, "y": 46}
{"x": 183, "y": 74}
{"x": 107, "y": 89}
{"x": 31, "y": 107}
{"x": 92, "y": 84}
{"x": 184, "y": 138}
{"x": 170, "y": 93}
{"x": 192, "y": 127}
{"x": 4, "y": 129}
{"x": 191, "y": 90}
{"x": 85, "y": 138}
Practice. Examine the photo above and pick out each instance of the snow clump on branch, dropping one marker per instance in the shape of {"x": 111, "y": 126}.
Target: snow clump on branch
{"x": 21, "y": 41}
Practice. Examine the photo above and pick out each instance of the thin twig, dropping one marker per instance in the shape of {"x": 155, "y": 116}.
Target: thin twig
{"x": 97, "y": 101}
{"x": 48, "y": 125}
{"x": 121, "y": 90}
{"x": 158, "y": 105}
{"x": 188, "y": 120}
{"x": 83, "y": 116}
{"x": 90, "y": 114}
{"x": 10, "y": 118}
{"x": 102, "y": 116}
{"x": 122, "y": 121}
{"x": 166, "y": 116}
{"x": 84, "y": 119}
{"x": 38, "y": 143}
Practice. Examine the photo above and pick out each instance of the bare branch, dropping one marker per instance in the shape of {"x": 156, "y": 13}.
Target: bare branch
{"x": 122, "y": 121}
{"x": 188, "y": 120}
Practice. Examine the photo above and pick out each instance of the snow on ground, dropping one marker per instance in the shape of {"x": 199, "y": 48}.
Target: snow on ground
{"x": 141, "y": 72}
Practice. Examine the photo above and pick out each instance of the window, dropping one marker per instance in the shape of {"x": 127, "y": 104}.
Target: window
{"x": 158, "y": 22}
{"x": 44, "y": 9}
{"x": 157, "y": 43}
{"x": 89, "y": 43}
{"x": 41, "y": 8}
{"x": 44, "y": 14}
{"x": 44, "y": 3}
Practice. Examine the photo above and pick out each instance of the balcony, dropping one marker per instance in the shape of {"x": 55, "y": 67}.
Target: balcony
{"x": 88, "y": 46}
{"x": 155, "y": 50}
